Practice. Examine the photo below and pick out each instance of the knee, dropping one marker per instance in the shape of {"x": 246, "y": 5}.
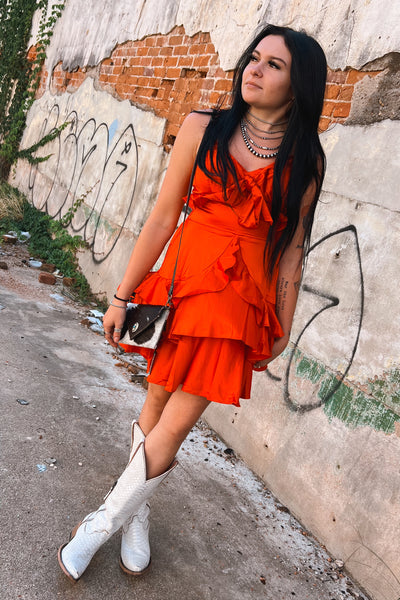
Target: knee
{"x": 181, "y": 414}
{"x": 157, "y": 397}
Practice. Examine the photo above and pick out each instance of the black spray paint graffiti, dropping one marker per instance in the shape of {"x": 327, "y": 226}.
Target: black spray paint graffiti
{"x": 83, "y": 164}
{"x": 329, "y": 301}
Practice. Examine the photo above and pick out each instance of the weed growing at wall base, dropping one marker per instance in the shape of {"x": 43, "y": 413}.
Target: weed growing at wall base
{"x": 49, "y": 240}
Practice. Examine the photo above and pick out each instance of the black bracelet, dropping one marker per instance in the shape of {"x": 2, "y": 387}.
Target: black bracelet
{"x": 120, "y": 299}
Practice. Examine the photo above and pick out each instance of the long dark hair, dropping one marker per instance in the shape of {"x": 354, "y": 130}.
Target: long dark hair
{"x": 301, "y": 140}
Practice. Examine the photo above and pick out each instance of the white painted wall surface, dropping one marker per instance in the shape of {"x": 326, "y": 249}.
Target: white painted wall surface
{"x": 352, "y": 32}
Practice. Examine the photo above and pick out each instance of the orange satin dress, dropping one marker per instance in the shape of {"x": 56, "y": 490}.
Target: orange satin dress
{"x": 223, "y": 319}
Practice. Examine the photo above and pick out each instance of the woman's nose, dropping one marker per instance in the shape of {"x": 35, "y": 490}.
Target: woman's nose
{"x": 255, "y": 69}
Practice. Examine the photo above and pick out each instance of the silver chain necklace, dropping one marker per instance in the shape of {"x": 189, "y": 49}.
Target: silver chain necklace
{"x": 248, "y": 136}
{"x": 251, "y": 149}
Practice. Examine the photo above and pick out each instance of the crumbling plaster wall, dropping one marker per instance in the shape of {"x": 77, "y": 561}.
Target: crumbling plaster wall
{"x": 323, "y": 425}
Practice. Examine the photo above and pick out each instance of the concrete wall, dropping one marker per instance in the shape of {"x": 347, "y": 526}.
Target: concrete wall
{"x": 323, "y": 425}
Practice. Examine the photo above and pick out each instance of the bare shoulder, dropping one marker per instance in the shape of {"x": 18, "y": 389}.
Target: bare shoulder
{"x": 190, "y": 134}
{"x": 195, "y": 124}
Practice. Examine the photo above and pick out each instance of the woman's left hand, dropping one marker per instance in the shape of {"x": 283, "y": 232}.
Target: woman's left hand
{"x": 112, "y": 323}
{"x": 261, "y": 365}
{"x": 277, "y": 348}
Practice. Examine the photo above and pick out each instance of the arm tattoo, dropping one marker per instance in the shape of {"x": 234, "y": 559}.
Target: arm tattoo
{"x": 283, "y": 286}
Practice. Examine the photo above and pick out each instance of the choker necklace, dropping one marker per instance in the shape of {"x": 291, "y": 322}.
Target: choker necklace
{"x": 250, "y": 133}
{"x": 273, "y": 135}
{"x": 250, "y": 147}
{"x": 267, "y": 122}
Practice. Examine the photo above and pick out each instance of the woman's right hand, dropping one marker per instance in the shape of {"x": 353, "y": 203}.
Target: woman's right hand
{"x": 113, "y": 321}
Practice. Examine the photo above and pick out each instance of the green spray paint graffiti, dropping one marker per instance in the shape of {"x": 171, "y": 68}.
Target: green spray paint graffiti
{"x": 376, "y": 405}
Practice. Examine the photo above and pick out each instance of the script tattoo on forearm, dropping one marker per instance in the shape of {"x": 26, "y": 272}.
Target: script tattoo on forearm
{"x": 282, "y": 294}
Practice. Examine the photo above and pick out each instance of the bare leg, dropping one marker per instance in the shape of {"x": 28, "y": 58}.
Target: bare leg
{"x": 156, "y": 399}
{"x": 180, "y": 414}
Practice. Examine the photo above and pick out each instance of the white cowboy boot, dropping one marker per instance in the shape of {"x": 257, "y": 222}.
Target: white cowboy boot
{"x": 124, "y": 499}
{"x": 135, "y": 548}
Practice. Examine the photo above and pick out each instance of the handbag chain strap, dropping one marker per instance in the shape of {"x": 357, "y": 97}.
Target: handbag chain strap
{"x": 185, "y": 210}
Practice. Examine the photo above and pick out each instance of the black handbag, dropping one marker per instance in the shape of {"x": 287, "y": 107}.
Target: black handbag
{"x": 145, "y": 323}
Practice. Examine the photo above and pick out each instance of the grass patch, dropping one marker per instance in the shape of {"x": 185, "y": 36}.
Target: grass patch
{"x": 49, "y": 240}
{"x": 11, "y": 203}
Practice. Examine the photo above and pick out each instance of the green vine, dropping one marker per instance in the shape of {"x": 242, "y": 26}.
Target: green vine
{"x": 28, "y": 153}
{"x": 69, "y": 215}
{"x": 20, "y": 78}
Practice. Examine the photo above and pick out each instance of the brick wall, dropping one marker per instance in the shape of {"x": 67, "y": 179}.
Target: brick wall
{"x": 173, "y": 74}
{"x": 339, "y": 94}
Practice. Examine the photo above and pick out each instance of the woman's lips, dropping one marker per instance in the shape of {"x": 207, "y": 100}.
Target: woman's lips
{"x": 252, "y": 84}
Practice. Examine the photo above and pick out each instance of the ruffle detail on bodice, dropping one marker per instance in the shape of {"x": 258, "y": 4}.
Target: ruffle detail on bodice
{"x": 215, "y": 295}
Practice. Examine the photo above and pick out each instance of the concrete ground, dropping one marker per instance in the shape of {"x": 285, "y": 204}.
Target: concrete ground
{"x": 66, "y": 407}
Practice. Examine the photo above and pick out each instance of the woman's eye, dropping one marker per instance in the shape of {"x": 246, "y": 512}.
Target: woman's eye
{"x": 274, "y": 65}
{"x": 253, "y": 58}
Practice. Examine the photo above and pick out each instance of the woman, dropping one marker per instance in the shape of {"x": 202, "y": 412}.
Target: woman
{"x": 259, "y": 176}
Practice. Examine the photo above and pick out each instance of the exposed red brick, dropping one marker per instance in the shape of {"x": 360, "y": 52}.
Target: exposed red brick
{"x": 112, "y": 79}
{"x": 31, "y": 55}
{"x": 166, "y": 51}
{"x": 324, "y": 123}
{"x": 170, "y": 61}
{"x": 332, "y": 91}
{"x": 159, "y": 71}
{"x": 9, "y": 239}
{"x": 354, "y": 76}
{"x": 223, "y": 85}
{"x": 201, "y": 61}
{"x": 214, "y": 97}
{"x": 342, "y": 109}
{"x": 123, "y": 90}
{"x": 327, "y": 109}
{"x": 48, "y": 278}
{"x": 142, "y": 51}
{"x": 203, "y": 37}
{"x": 180, "y": 50}
{"x": 157, "y": 61}
{"x": 198, "y": 49}
{"x": 175, "y": 40}
{"x": 336, "y": 76}
{"x": 181, "y": 85}
{"x": 346, "y": 93}
{"x": 68, "y": 281}
{"x": 173, "y": 73}
{"x": 48, "y": 267}
{"x": 186, "y": 61}
{"x": 207, "y": 84}
{"x": 145, "y": 92}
